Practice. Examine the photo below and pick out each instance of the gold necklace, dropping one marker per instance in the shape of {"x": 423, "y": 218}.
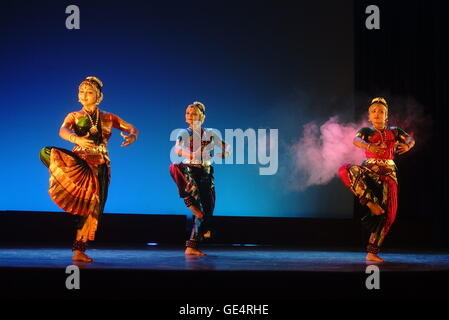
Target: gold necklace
{"x": 94, "y": 128}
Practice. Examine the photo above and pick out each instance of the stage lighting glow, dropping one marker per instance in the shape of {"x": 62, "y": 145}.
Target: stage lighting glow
{"x": 245, "y": 245}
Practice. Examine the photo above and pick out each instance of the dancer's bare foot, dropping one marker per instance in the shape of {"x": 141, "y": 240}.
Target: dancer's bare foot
{"x": 373, "y": 257}
{"x": 197, "y": 212}
{"x": 375, "y": 208}
{"x": 81, "y": 256}
{"x": 207, "y": 235}
{"x": 192, "y": 251}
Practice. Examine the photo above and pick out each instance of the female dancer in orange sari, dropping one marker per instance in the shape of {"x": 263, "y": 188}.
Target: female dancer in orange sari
{"x": 79, "y": 179}
{"x": 375, "y": 182}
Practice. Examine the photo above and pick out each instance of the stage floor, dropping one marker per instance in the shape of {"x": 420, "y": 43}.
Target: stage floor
{"x": 262, "y": 272}
{"x": 225, "y": 258}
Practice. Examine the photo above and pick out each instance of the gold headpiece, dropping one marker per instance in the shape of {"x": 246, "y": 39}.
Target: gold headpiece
{"x": 96, "y": 81}
{"x": 379, "y": 100}
{"x": 199, "y": 105}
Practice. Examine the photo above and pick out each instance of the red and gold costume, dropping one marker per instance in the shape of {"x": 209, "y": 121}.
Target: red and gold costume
{"x": 376, "y": 181}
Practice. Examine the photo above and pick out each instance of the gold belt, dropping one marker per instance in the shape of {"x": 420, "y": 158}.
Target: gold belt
{"x": 99, "y": 148}
{"x": 198, "y": 163}
{"x": 388, "y": 162}
{"x": 94, "y": 150}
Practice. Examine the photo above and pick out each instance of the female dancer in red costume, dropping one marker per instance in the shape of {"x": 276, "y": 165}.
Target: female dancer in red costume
{"x": 375, "y": 182}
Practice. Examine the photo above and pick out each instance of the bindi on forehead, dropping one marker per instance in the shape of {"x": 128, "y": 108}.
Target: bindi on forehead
{"x": 86, "y": 87}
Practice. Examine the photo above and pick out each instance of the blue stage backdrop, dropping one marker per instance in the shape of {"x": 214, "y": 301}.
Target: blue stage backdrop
{"x": 256, "y": 65}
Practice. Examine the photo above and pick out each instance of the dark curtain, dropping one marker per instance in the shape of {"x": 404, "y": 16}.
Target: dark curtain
{"x": 406, "y": 62}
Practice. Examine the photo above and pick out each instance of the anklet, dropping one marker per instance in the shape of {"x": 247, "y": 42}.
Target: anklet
{"x": 372, "y": 248}
{"x": 192, "y": 243}
{"x": 79, "y": 245}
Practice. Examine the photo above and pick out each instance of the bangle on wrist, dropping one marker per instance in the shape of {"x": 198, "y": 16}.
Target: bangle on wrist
{"x": 129, "y": 135}
{"x": 72, "y": 138}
